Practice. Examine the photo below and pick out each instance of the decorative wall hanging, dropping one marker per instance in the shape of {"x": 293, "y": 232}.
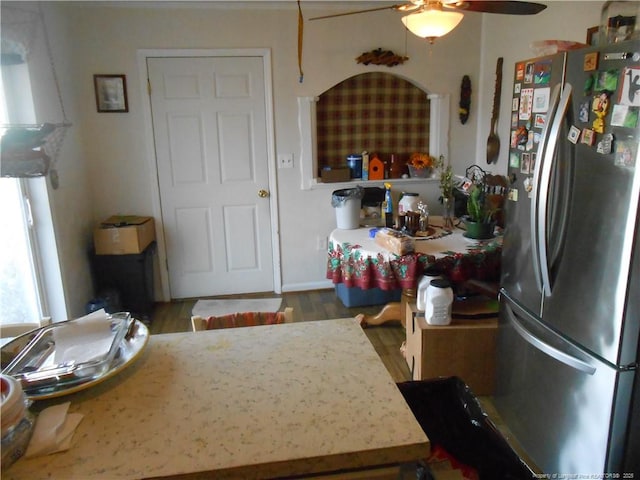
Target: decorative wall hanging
{"x": 111, "y": 93}
{"x": 381, "y": 57}
{"x": 493, "y": 142}
{"x": 465, "y": 99}
{"x": 300, "y": 41}
{"x": 29, "y": 150}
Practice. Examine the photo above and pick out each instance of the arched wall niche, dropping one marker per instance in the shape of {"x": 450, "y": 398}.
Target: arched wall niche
{"x": 376, "y": 111}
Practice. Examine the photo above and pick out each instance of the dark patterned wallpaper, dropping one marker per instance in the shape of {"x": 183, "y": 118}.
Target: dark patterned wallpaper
{"x": 377, "y": 112}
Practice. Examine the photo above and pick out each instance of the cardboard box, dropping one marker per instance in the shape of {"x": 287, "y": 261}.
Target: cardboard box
{"x": 465, "y": 348}
{"x": 340, "y": 174}
{"x": 123, "y": 235}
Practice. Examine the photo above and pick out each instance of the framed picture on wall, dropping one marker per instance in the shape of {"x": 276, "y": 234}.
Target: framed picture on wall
{"x": 111, "y": 93}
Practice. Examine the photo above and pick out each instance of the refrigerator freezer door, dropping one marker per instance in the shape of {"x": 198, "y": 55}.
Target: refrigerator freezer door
{"x": 518, "y": 268}
{"x": 591, "y": 295}
{"x": 557, "y": 401}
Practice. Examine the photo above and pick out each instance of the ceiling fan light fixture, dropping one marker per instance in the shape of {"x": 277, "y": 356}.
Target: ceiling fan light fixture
{"x": 432, "y": 22}
{"x": 409, "y": 7}
{"x": 454, "y": 3}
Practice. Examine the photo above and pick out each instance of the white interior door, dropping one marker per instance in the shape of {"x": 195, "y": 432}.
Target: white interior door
{"x": 210, "y": 134}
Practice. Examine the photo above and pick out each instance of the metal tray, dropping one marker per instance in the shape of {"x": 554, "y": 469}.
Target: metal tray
{"x": 54, "y": 356}
{"x": 63, "y": 380}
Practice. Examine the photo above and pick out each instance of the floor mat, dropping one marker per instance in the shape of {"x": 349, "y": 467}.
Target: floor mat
{"x": 216, "y": 308}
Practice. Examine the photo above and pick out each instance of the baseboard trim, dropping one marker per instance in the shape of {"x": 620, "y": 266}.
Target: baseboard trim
{"x": 302, "y": 287}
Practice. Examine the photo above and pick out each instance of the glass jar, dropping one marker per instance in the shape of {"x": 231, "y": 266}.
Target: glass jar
{"x": 423, "y": 208}
{"x": 354, "y": 162}
{"x": 448, "y": 204}
{"x": 408, "y": 203}
{"x": 618, "y": 22}
{"x": 17, "y": 421}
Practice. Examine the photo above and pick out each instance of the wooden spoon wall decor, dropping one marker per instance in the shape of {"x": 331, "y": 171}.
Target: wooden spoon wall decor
{"x": 465, "y": 99}
{"x": 493, "y": 142}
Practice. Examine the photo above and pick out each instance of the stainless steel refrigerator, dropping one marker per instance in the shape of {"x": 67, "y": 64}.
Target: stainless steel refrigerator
{"x": 567, "y": 380}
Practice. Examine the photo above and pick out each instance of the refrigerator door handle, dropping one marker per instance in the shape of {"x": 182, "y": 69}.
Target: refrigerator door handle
{"x": 541, "y": 196}
{"x": 553, "y": 105}
{"x": 544, "y": 347}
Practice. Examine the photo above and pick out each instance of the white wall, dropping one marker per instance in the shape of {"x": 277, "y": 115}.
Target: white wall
{"x": 562, "y": 20}
{"x": 105, "y": 39}
{"x": 109, "y": 37}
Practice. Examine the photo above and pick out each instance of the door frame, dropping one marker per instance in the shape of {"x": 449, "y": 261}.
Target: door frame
{"x": 265, "y": 54}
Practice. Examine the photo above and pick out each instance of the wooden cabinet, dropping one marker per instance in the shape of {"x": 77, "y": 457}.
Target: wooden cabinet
{"x": 465, "y": 348}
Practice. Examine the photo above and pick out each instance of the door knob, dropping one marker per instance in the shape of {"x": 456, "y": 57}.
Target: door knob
{"x": 262, "y": 193}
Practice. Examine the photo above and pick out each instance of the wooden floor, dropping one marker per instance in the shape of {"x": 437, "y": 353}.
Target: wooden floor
{"x": 313, "y": 305}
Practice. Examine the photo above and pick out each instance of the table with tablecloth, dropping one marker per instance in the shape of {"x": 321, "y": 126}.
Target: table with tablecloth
{"x": 356, "y": 260}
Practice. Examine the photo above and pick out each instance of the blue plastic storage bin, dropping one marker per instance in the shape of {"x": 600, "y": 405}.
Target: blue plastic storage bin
{"x": 357, "y": 297}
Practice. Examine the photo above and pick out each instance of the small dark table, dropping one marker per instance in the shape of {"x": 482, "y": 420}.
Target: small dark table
{"x": 130, "y": 275}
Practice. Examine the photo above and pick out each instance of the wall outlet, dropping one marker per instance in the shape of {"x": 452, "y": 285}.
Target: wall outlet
{"x": 322, "y": 243}
{"x": 285, "y": 160}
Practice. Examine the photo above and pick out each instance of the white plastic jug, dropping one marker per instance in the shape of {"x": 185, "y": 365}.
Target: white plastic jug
{"x": 408, "y": 203}
{"x": 439, "y": 302}
{"x": 431, "y": 273}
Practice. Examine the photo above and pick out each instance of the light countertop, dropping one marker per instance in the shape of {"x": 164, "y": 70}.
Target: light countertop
{"x": 251, "y": 402}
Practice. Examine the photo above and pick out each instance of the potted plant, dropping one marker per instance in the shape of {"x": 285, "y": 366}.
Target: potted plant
{"x": 420, "y": 165}
{"x": 480, "y": 218}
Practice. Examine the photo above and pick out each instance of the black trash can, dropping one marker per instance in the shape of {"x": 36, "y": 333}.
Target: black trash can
{"x": 452, "y": 417}
{"x": 131, "y": 276}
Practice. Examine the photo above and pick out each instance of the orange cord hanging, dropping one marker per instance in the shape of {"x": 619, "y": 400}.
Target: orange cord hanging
{"x": 300, "y": 37}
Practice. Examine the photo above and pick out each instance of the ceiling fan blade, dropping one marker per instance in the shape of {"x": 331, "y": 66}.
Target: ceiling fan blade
{"x": 388, "y": 7}
{"x": 505, "y": 7}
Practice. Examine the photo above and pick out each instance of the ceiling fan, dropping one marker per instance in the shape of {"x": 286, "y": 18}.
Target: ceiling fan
{"x": 433, "y": 18}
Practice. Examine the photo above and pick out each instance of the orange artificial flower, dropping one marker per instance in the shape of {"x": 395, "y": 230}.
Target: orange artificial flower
{"x": 421, "y": 160}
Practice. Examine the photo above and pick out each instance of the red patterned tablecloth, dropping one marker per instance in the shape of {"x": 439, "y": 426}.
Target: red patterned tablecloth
{"x": 356, "y": 260}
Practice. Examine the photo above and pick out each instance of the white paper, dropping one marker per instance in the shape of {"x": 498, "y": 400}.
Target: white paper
{"x": 53, "y": 431}
{"x": 84, "y": 339}
{"x": 541, "y": 100}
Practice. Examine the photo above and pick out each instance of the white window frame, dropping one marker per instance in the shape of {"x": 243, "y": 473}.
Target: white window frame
{"x": 36, "y": 205}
